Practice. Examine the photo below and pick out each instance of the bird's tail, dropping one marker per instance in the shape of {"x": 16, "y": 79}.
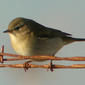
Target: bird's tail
{"x": 69, "y": 40}
{"x": 78, "y": 39}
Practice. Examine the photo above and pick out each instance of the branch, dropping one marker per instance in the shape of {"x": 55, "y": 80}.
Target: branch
{"x": 20, "y": 57}
{"x": 47, "y": 66}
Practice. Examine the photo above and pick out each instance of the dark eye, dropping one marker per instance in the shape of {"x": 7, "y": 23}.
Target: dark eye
{"x": 18, "y": 27}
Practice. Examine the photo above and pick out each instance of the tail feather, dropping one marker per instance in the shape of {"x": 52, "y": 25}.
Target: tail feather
{"x": 78, "y": 39}
{"x": 69, "y": 40}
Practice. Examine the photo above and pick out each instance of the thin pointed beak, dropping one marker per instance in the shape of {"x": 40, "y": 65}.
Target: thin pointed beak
{"x": 7, "y": 31}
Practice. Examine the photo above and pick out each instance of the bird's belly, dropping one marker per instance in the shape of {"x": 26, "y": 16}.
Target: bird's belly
{"x": 47, "y": 47}
{"x": 40, "y": 47}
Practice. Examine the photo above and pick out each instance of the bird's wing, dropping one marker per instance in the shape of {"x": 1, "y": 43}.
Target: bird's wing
{"x": 51, "y": 33}
{"x": 45, "y": 32}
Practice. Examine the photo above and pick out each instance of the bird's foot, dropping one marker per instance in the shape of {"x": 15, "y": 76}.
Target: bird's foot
{"x": 26, "y": 65}
{"x": 51, "y": 66}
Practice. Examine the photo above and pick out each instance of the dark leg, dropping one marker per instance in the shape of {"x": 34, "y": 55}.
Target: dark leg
{"x": 51, "y": 65}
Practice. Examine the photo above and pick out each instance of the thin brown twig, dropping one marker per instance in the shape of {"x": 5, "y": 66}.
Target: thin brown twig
{"x": 74, "y": 66}
{"x": 19, "y": 57}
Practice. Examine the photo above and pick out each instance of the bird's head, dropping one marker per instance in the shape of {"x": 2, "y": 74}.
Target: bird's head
{"x": 18, "y": 27}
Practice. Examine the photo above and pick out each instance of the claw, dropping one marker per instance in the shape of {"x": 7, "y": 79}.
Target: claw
{"x": 26, "y": 65}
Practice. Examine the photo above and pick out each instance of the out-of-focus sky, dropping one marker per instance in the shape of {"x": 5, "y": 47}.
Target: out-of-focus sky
{"x": 65, "y": 15}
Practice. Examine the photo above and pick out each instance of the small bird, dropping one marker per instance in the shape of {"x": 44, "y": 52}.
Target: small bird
{"x": 30, "y": 38}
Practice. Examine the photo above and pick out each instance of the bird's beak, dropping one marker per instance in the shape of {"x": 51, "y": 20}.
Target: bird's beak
{"x": 7, "y": 31}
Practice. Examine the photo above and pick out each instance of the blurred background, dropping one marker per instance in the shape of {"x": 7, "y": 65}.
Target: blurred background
{"x": 65, "y": 15}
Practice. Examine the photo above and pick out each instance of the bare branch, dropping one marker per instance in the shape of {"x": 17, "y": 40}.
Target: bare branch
{"x": 74, "y": 66}
{"x": 19, "y": 57}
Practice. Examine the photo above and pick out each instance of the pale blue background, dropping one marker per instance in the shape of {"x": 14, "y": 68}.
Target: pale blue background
{"x": 66, "y": 15}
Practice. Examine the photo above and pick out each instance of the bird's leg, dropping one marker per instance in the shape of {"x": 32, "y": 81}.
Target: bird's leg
{"x": 26, "y": 65}
{"x": 51, "y": 66}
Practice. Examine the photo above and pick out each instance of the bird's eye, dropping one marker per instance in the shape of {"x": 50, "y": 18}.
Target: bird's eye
{"x": 18, "y": 27}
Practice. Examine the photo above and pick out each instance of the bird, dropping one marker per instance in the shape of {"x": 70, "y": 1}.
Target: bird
{"x": 30, "y": 38}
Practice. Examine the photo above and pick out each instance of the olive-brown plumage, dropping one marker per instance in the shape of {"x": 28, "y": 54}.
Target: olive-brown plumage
{"x": 31, "y": 38}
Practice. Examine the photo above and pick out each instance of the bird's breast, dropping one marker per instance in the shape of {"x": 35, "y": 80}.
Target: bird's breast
{"x": 22, "y": 47}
